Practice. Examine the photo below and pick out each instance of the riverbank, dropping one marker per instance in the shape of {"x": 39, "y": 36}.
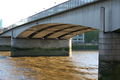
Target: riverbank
{"x": 85, "y": 47}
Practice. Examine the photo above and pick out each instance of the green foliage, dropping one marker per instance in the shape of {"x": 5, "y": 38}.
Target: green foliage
{"x": 85, "y": 47}
{"x": 92, "y": 36}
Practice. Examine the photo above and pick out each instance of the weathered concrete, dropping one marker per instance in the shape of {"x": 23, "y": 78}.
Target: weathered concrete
{"x": 37, "y": 47}
{"x": 109, "y": 57}
{"x": 5, "y": 44}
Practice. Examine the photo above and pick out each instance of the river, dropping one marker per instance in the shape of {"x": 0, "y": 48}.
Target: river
{"x": 83, "y": 65}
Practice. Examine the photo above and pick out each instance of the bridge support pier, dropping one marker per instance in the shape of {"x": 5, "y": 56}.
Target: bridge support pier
{"x": 5, "y": 44}
{"x": 37, "y": 47}
{"x": 109, "y": 57}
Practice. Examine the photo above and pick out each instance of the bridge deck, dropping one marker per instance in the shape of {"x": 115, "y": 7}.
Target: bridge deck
{"x": 68, "y": 5}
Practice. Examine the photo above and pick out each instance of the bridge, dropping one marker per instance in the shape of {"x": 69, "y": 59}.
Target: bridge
{"x": 49, "y": 33}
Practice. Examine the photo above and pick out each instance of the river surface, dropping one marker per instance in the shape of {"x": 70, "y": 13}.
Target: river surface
{"x": 83, "y": 65}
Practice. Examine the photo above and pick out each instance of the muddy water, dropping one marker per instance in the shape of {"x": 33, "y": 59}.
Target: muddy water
{"x": 81, "y": 66}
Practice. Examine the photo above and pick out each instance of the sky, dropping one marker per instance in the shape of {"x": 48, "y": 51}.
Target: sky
{"x": 12, "y": 11}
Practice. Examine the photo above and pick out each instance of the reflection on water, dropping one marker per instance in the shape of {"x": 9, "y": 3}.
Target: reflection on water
{"x": 82, "y": 65}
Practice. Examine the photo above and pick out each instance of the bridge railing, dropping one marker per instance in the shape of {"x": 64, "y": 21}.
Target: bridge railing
{"x": 54, "y": 10}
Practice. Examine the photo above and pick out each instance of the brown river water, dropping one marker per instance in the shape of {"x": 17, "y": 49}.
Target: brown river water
{"x": 83, "y": 65}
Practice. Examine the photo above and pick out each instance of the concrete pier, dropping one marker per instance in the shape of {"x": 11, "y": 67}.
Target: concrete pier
{"x": 5, "y": 44}
{"x": 37, "y": 47}
{"x": 109, "y": 57}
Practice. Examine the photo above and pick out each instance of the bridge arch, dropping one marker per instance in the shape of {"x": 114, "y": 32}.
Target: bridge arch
{"x": 54, "y": 31}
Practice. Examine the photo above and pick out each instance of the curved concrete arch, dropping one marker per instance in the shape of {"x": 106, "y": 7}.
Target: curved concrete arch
{"x": 53, "y": 31}
{"x": 50, "y": 30}
{"x": 27, "y": 32}
{"x": 44, "y": 31}
{"x": 71, "y": 33}
{"x": 41, "y": 39}
{"x": 74, "y": 33}
{"x": 65, "y": 32}
{"x": 46, "y": 36}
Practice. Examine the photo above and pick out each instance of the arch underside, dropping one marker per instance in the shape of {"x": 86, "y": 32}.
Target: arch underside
{"x": 54, "y": 31}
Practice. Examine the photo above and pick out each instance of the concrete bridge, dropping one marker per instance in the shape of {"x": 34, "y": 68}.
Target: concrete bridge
{"x": 48, "y": 33}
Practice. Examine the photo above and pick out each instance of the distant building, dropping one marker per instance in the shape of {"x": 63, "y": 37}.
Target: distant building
{"x": 0, "y": 23}
{"x": 78, "y": 39}
{"x": 88, "y": 37}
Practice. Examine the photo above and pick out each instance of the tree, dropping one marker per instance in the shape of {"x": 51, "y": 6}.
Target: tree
{"x": 92, "y": 36}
